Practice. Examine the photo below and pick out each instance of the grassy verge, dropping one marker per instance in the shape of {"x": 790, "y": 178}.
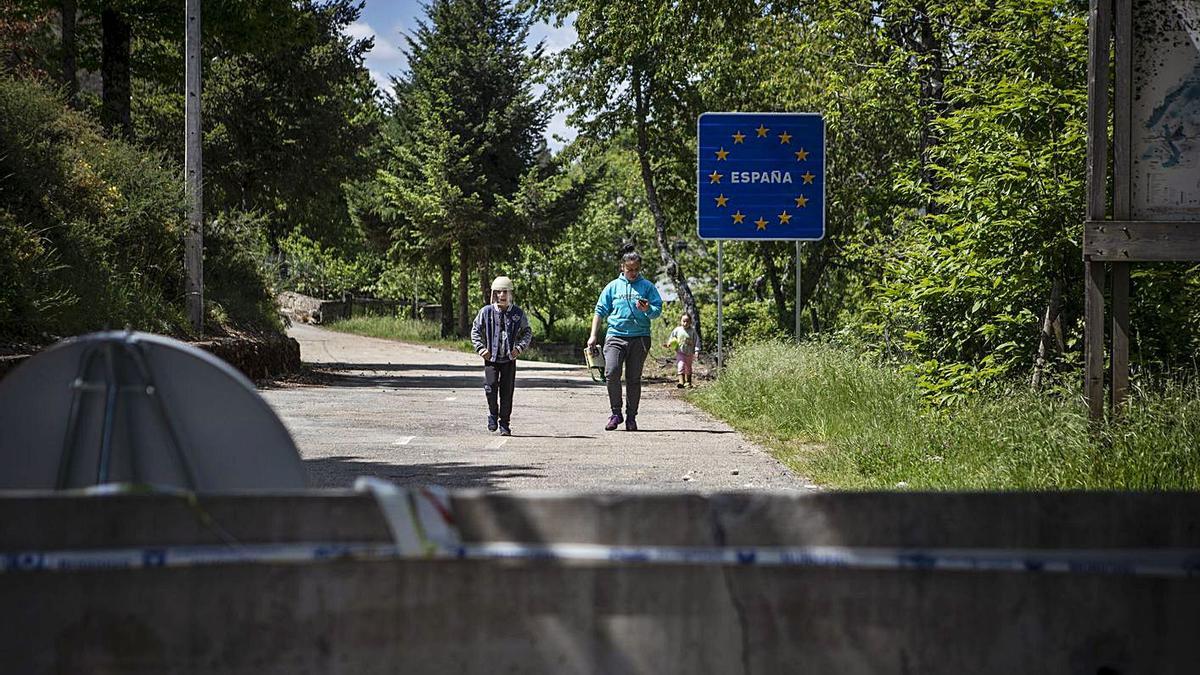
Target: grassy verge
{"x": 402, "y": 329}
{"x": 429, "y": 333}
{"x": 848, "y": 422}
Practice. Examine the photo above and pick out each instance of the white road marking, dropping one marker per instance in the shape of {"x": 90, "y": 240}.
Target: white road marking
{"x": 403, "y": 440}
{"x": 495, "y": 445}
{"x": 450, "y": 398}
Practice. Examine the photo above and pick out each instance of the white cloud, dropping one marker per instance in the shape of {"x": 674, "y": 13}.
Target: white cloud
{"x": 556, "y": 38}
{"x": 558, "y": 127}
{"x": 385, "y": 58}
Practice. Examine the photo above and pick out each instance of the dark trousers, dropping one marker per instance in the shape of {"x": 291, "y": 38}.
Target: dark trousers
{"x": 630, "y": 352}
{"x": 499, "y": 379}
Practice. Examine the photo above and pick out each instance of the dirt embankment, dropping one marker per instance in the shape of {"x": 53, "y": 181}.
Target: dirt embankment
{"x": 258, "y": 356}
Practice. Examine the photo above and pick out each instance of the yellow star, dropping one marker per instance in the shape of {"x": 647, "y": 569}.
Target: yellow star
{"x": 721, "y": 199}
{"x": 784, "y": 218}
{"x": 715, "y": 177}
{"x": 739, "y": 137}
{"x": 738, "y": 218}
{"x": 762, "y": 224}
{"x": 801, "y": 155}
{"x": 722, "y": 153}
{"x": 762, "y": 131}
{"x": 808, "y": 177}
{"x": 801, "y": 201}
{"x": 785, "y": 137}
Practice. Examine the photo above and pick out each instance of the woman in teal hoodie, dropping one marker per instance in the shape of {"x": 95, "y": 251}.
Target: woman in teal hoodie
{"x": 629, "y": 303}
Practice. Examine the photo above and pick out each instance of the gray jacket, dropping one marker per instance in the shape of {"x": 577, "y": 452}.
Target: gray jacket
{"x": 500, "y": 332}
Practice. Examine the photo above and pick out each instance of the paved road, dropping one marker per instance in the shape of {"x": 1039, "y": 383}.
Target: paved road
{"x": 416, "y": 415}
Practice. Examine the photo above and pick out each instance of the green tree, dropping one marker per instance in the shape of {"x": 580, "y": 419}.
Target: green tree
{"x": 636, "y": 68}
{"x": 289, "y": 113}
{"x": 470, "y": 129}
{"x": 968, "y": 281}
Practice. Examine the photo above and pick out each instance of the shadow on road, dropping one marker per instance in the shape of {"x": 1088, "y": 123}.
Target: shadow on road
{"x": 549, "y": 436}
{"x": 683, "y": 431}
{"x": 447, "y": 367}
{"x": 340, "y": 472}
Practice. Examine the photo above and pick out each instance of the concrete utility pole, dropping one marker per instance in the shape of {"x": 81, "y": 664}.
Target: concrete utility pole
{"x": 194, "y": 166}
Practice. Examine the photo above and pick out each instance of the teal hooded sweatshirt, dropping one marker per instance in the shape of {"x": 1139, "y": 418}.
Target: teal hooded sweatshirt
{"x": 618, "y": 304}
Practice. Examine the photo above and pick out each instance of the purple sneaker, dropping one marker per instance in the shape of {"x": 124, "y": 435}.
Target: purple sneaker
{"x": 630, "y": 424}
{"x": 613, "y": 422}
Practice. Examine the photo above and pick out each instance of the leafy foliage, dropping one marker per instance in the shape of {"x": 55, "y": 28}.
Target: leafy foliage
{"x": 91, "y": 232}
{"x": 877, "y": 430}
{"x": 324, "y": 272}
{"x": 964, "y": 296}
{"x": 287, "y": 119}
{"x": 93, "y": 228}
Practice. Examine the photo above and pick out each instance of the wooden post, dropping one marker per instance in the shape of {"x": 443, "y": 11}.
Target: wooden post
{"x": 1100, "y": 30}
{"x": 194, "y": 168}
{"x": 1120, "y": 335}
{"x": 1122, "y": 195}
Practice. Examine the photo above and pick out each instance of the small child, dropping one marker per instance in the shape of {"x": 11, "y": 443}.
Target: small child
{"x": 499, "y": 334}
{"x": 686, "y": 343}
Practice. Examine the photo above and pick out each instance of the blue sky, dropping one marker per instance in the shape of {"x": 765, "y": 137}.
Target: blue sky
{"x": 389, "y": 20}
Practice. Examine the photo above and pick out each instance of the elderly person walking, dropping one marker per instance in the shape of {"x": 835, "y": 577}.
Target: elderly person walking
{"x": 629, "y": 303}
{"x": 499, "y": 334}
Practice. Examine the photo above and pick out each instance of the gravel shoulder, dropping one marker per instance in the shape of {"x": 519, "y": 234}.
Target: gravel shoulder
{"x": 416, "y": 415}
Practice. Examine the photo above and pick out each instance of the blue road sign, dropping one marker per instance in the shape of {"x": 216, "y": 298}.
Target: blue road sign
{"x": 761, "y": 176}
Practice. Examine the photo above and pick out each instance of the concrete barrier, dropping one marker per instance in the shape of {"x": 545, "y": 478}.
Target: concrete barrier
{"x": 478, "y": 616}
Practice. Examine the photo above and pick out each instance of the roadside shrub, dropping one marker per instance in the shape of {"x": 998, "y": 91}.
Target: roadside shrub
{"x": 323, "y": 272}
{"x": 237, "y": 272}
{"x": 742, "y": 323}
{"x": 849, "y": 420}
{"x": 91, "y": 232}
{"x": 92, "y": 228}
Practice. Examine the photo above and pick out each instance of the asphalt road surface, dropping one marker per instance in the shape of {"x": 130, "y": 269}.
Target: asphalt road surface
{"x": 416, "y": 415}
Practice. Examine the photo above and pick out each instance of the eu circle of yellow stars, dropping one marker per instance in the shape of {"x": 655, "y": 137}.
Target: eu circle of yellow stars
{"x": 739, "y": 138}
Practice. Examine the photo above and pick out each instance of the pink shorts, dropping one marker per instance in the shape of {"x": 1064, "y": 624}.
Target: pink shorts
{"x": 683, "y": 363}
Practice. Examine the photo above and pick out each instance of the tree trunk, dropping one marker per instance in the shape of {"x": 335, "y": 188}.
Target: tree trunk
{"x": 70, "y": 67}
{"x": 114, "y": 69}
{"x": 485, "y": 281}
{"x": 447, "y": 291}
{"x": 781, "y": 313}
{"x": 1047, "y": 333}
{"x": 815, "y": 264}
{"x": 464, "y": 291}
{"x": 932, "y": 76}
{"x": 641, "y": 113}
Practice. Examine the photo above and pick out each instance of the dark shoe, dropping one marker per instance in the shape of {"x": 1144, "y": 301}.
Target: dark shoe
{"x": 491, "y": 422}
{"x": 630, "y": 424}
{"x": 679, "y": 386}
{"x": 613, "y": 422}
{"x": 505, "y": 431}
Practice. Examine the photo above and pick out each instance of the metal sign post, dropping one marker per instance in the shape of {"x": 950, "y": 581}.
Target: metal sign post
{"x": 760, "y": 176}
{"x": 798, "y": 245}
{"x": 720, "y": 336}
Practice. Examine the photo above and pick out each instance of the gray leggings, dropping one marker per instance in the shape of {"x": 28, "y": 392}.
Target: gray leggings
{"x": 630, "y": 352}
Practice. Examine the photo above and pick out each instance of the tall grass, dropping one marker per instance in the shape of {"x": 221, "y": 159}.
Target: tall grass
{"x": 848, "y": 421}
{"x": 403, "y": 329}
{"x": 429, "y": 333}
{"x": 573, "y": 330}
